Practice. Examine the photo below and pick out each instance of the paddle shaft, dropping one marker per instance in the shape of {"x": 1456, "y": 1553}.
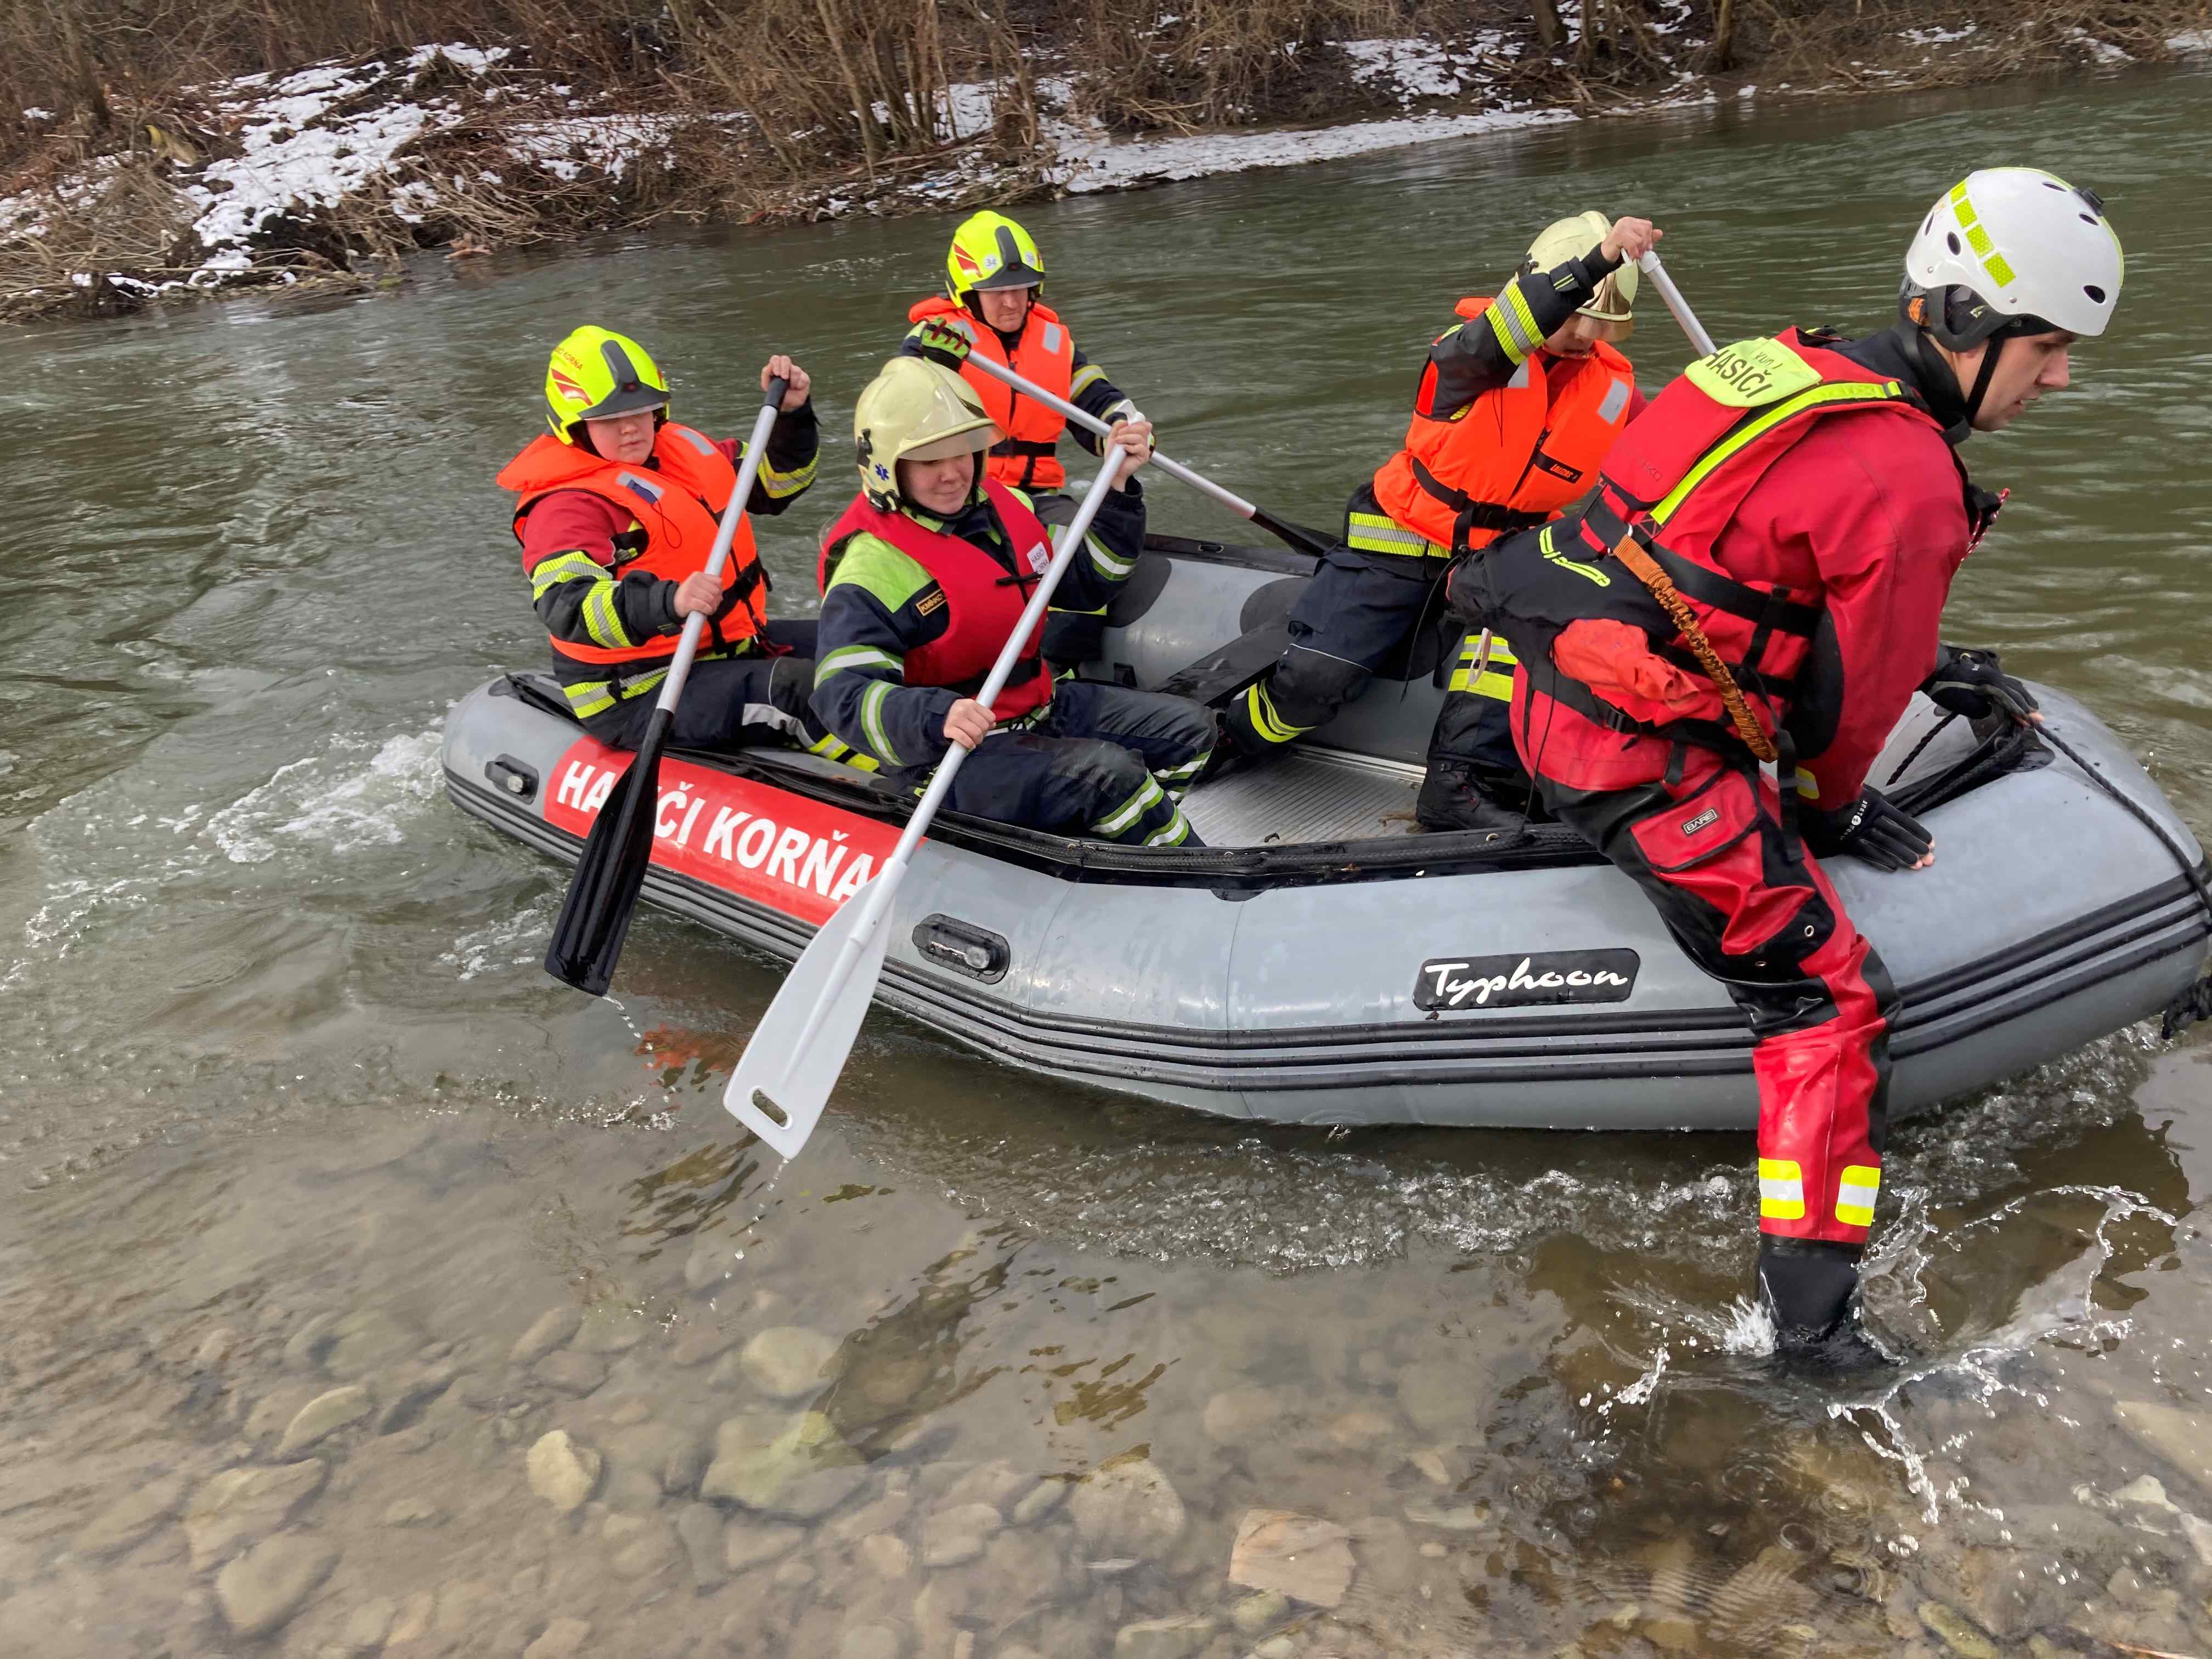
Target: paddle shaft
{"x": 884, "y": 887}
{"x": 1090, "y": 423}
{"x": 1650, "y": 265}
{"x": 694, "y": 625}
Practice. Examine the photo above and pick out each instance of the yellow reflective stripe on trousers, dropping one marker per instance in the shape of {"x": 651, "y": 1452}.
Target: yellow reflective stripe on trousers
{"x": 1781, "y": 1190}
{"x": 1752, "y": 431}
{"x": 1129, "y": 811}
{"x": 1373, "y": 532}
{"x": 1497, "y": 679}
{"x": 590, "y": 697}
{"x": 1856, "y": 1191}
{"x": 1266, "y": 725}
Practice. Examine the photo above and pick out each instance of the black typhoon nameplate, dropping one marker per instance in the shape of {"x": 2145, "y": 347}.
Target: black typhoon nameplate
{"x": 1526, "y": 982}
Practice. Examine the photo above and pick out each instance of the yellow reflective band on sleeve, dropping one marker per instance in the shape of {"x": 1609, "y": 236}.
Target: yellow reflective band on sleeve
{"x": 1514, "y": 324}
{"x": 574, "y": 566}
{"x": 602, "y": 622}
{"x": 1855, "y": 1190}
{"x": 1524, "y": 316}
{"x": 1807, "y": 785}
{"x": 1085, "y": 377}
{"x": 1108, "y": 564}
{"x": 857, "y": 656}
{"x": 1781, "y": 1190}
{"x": 1266, "y": 725}
{"x": 1373, "y": 532}
{"x": 872, "y": 721}
{"x": 779, "y": 485}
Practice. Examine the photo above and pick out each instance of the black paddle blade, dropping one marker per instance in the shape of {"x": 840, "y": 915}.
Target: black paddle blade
{"x": 1295, "y": 535}
{"x": 587, "y": 940}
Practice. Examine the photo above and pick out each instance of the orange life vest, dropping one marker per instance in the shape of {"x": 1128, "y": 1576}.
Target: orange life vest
{"x": 676, "y": 502}
{"x": 1513, "y": 457}
{"x": 984, "y": 602}
{"x": 1027, "y": 457}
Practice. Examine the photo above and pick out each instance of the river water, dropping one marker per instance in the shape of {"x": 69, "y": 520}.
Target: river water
{"x": 1001, "y": 1367}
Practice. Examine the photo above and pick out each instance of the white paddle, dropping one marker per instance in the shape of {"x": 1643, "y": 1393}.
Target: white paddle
{"x": 1296, "y": 535}
{"x": 1650, "y": 267}
{"x": 798, "y": 1050}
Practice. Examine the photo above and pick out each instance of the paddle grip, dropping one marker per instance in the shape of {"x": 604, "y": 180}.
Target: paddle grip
{"x": 694, "y": 625}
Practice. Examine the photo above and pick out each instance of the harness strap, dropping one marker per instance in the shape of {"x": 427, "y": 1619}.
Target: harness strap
{"x": 1630, "y": 552}
{"x": 1473, "y": 515}
{"x": 1025, "y": 447}
{"x": 1773, "y": 611}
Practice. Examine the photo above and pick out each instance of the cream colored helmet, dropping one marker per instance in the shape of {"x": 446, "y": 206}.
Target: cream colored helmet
{"x": 1573, "y": 239}
{"x": 914, "y": 410}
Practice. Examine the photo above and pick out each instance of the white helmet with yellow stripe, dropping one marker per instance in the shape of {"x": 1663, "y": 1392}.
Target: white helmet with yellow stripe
{"x": 2013, "y": 250}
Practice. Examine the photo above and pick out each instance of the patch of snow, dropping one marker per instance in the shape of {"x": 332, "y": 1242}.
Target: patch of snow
{"x": 1933, "y": 37}
{"x": 2190, "y": 40}
{"x": 1088, "y": 160}
{"x": 565, "y": 147}
{"x": 475, "y": 60}
{"x": 37, "y": 115}
{"x": 1414, "y": 69}
{"x": 2103, "y": 50}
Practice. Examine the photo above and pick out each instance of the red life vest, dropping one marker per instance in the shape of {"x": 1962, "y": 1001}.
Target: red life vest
{"x": 983, "y": 601}
{"x": 1513, "y": 457}
{"x": 676, "y": 502}
{"x": 1675, "y": 482}
{"x": 1028, "y": 456}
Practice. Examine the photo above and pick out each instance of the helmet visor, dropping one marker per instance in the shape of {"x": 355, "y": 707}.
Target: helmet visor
{"x": 964, "y": 442}
{"x": 625, "y": 400}
{"x": 1014, "y": 275}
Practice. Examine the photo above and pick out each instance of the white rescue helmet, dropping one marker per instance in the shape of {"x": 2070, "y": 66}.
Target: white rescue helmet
{"x": 2012, "y": 251}
{"x": 914, "y": 410}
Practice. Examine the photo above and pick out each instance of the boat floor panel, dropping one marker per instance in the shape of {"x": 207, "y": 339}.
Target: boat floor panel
{"x": 1308, "y": 795}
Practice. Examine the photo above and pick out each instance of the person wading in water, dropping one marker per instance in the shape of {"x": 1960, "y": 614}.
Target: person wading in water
{"x": 1761, "y": 578}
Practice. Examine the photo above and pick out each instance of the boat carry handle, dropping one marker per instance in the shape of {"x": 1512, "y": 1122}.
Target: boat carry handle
{"x": 513, "y": 777}
{"x": 963, "y": 947}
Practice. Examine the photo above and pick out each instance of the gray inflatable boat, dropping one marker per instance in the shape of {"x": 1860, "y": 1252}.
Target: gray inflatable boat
{"x": 1320, "y": 962}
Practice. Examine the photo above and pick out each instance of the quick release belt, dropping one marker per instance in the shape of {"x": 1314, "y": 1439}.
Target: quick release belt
{"x": 1470, "y": 513}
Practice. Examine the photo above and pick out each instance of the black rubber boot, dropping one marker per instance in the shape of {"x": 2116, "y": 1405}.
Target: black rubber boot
{"x": 1809, "y": 1287}
{"x": 1451, "y": 800}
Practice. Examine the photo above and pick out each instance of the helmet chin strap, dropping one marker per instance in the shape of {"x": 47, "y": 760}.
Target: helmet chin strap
{"x": 1982, "y": 377}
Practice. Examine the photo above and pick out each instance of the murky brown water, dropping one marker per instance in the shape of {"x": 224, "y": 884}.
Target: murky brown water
{"x": 327, "y": 1210}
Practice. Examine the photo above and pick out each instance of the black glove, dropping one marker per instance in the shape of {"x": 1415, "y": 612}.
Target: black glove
{"x": 1869, "y": 829}
{"x": 1970, "y": 683}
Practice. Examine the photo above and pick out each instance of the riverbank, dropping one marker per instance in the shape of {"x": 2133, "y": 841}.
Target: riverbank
{"x": 331, "y": 173}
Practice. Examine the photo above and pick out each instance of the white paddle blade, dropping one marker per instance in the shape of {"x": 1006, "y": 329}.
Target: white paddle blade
{"x": 797, "y": 1051}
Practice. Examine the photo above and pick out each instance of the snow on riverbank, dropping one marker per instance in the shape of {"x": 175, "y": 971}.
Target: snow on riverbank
{"x": 308, "y": 171}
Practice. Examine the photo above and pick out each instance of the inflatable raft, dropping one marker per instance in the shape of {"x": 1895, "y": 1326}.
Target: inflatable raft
{"x": 1321, "y": 962}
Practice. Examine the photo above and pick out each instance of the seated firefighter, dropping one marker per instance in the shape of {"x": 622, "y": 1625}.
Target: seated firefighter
{"x": 993, "y": 303}
{"x": 924, "y": 579}
{"x": 617, "y": 510}
{"x": 1516, "y": 407}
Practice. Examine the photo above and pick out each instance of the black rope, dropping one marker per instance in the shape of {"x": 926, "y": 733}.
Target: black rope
{"x": 1920, "y": 748}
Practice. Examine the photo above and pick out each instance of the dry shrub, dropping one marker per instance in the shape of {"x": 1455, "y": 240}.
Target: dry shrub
{"x": 1821, "y": 42}
{"x": 1144, "y": 65}
{"x": 836, "y": 81}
